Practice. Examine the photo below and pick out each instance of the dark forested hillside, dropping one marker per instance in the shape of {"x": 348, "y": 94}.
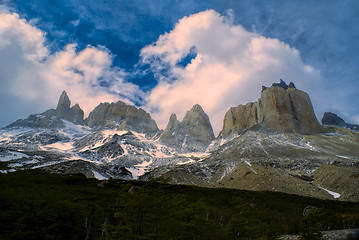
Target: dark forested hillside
{"x": 39, "y": 205}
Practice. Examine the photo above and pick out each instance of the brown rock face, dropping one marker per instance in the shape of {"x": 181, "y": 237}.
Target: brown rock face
{"x": 281, "y": 108}
{"x": 63, "y": 110}
{"x": 121, "y": 115}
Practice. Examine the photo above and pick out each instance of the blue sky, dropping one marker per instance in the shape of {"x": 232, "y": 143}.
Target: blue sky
{"x": 133, "y": 51}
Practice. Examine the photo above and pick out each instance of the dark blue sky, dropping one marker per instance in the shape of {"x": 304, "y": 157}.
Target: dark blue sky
{"x": 325, "y": 33}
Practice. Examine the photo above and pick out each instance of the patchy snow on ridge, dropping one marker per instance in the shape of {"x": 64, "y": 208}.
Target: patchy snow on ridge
{"x": 48, "y": 164}
{"x": 195, "y": 154}
{"x": 72, "y": 130}
{"x": 98, "y": 175}
{"x": 248, "y": 163}
{"x": 186, "y": 162}
{"x": 77, "y": 157}
{"x": 12, "y": 155}
{"x": 139, "y": 169}
{"x": 7, "y": 135}
{"x": 136, "y": 172}
{"x": 334, "y": 194}
{"x": 110, "y": 132}
{"x": 60, "y": 146}
{"x": 229, "y": 168}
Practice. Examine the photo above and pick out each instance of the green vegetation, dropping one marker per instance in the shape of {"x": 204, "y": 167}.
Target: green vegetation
{"x": 40, "y": 205}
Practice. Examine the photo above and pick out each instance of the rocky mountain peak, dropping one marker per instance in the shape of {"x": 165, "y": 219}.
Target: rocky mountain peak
{"x": 194, "y": 133}
{"x": 63, "y": 103}
{"x": 281, "y": 84}
{"x": 74, "y": 114}
{"x": 291, "y": 85}
{"x": 281, "y": 108}
{"x": 122, "y": 116}
{"x": 194, "y": 115}
{"x": 196, "y": 108}
{"x": 333, "y": 119}
{"x": 172, "y": 123}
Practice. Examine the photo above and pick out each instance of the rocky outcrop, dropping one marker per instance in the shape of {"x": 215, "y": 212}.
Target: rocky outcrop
{"x": 63, "y": 105}
{"x": 108, "y": 151}
{"x": 52, "y": 118}
{"x": 281, "y": 108}
{"x": 44, "y": 120}
{"x": 331, "y": 119}
{"x": 111, "y": 149}
{"x": 194, "y": 133}
{"x": 74, "y": 114}
{"x": 122, "y": 116}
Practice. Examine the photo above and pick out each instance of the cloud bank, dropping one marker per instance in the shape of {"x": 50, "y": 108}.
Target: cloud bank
{"x": 228, "y": 69}
{"x": 32, "y": 78}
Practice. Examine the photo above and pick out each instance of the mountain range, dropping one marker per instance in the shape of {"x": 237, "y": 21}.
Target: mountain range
{"x": 274, "y": 144}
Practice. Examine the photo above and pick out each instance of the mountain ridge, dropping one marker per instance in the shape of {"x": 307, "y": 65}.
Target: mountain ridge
{"x": 281, "y": 108}
{"x": 194, "y": 132}
{"x": 274, "y": 144}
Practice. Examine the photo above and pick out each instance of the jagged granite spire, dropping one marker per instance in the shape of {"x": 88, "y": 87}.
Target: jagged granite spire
{"x": 194, "y": 133}
{"x": 122, "y": 116}
{"x": 281, "y": 108}
{"x": 197, "y": 124}
{"x": 53, "y": 118}
{"x": 63, "y": 105}
{"x": 74, "y": 114}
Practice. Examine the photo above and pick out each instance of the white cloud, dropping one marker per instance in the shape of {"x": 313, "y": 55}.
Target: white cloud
{"x": 355, "y": 119}
{"x": 230, "y": 66}
{"x": 229, "y": 69}
{"x": 32, "y": 78}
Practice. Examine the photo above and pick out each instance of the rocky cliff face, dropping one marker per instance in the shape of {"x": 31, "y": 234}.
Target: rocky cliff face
{"x": 281, "y": 108}
{"x": 52, "y": 118}
{"x": 270, "y": 153}
{"x": 194, "y": 133}
{"x": 331, "y": 119}
{"x": 122, "y": 116}
{"x": 74, "y": 114}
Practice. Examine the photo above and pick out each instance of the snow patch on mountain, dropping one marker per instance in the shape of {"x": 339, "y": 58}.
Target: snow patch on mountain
{"x": 98, "y": 175}
{"x": 186, "y": 162}
{"x": 60, "y": 146}
{"x": 334, "y": 194}
{"x": 11, "y": 155}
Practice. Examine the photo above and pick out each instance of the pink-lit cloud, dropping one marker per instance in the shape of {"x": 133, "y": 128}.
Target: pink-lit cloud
{"x": 29, "y": 73}
{"x": 230, "y": 66}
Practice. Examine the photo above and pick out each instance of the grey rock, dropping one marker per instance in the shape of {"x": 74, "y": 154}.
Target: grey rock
{"x": 122, "y": 116}
{"x": 333, "y": 119}
{"x": 52, "y": 118}
{"x": 45, "y": 120}
{"x": 291, "y": 85}
{"x": 194, "y": 133}
{"x": 63, "y": 105}
{"x": 74, "y": 114}
{"x": 111, "y": 149}
{"x": 281, "y": 84}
